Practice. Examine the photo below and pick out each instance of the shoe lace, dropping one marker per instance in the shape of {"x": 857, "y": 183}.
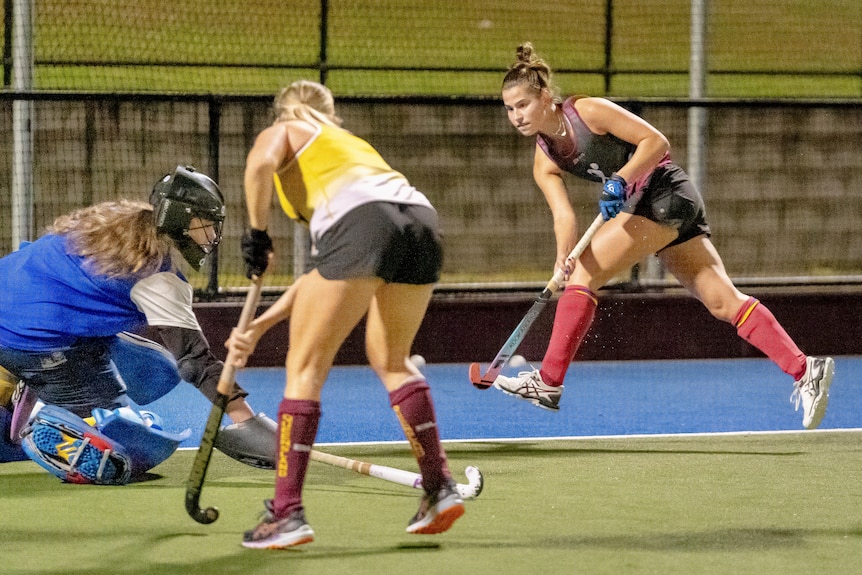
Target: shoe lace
{"x": 429, "y": 500}
{"x": 796, "y": 397}
{"x": 268, "y": 514}
{"x": 424, "y": 506}
{"x": 801, "y": 387}
{"x": 532, "y": 373}
{"x": 532, "y": 380}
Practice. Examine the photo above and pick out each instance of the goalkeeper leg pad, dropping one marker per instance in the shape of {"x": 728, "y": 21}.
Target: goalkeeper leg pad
{"x": 63, "y": 444}
{"x": 252, "y": 442}
{"x": 141, "y": 436}
{"x": 147, "y": 368}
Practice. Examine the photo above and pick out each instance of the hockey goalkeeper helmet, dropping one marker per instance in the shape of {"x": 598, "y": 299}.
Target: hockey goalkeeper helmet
{"x": 177, "y": 200}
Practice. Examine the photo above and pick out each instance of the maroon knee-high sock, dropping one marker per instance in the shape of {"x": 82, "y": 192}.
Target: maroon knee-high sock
{"x": 297, "y": 428}
{"x": 415, "y": 410}
{"x": 575, "y": 312}
{"x": 756, "y": 325}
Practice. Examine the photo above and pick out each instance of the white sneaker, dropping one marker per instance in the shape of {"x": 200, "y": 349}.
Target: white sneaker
{"x": 529, "y": 385}
{"x": 813, "y": 390}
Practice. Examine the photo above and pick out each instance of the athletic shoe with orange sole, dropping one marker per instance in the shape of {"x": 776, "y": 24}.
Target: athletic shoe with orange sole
{"x": 437, "y": 511}
{"x": 272, "y": 533}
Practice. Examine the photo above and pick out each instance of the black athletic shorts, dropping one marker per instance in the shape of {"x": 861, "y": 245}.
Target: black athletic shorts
{"x": 670, "y": 199}
{"x": 400, "y": 243}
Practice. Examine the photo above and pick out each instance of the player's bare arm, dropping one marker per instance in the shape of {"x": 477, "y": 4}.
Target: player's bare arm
{"x": 263, "y": 160}
{"x": 604, "y": 117}
{"x": 548, "y": 177}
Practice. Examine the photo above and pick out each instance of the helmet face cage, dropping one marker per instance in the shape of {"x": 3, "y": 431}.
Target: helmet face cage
{"x": 177, "y": 200}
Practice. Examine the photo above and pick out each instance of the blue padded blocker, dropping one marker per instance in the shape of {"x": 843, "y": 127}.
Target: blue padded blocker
{"x": 148, "y": 370}
{"x": 145, "y": 446}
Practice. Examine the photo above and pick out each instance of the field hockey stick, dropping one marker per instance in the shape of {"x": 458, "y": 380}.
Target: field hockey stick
{"x": 486, "y": 380}
{"x": 469, "y": 491}
{"x": 225, "y": 383}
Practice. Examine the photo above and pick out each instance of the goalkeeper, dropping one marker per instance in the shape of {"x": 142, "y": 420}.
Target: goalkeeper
{"x": 68, "y": 304}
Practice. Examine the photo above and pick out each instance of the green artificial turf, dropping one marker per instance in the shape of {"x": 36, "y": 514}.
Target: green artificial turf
{"x": 766, "y": 504}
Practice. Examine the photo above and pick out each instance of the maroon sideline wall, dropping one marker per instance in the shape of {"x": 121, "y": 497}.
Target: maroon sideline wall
{"x": 462, "y": 328}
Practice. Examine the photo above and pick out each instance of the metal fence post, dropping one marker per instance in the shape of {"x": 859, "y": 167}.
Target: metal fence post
{"x": 22, "y": 123}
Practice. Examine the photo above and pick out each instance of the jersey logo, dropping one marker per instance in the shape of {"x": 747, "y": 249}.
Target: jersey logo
{"x": 595, "y": 171}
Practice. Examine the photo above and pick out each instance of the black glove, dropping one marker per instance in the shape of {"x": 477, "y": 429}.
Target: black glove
{"x": 256, "y": 247}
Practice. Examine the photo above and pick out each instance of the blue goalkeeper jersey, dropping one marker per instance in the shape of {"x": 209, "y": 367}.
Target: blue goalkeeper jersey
{"x": 49, "y": 300}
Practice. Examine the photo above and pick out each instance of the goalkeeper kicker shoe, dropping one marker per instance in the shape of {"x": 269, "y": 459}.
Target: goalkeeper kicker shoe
{"x": 437, "y": 511}
{"x": 529, "y": 385}
{"x": 251, "y": 442}
{"x": 272, "y": 533}
{"x": 812, "y": 390}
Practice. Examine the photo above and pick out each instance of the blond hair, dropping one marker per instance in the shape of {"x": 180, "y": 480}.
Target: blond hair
{"x": 532, "y": 71}
{"x": 118, "y": 239}
{"x": 306, "y": 100}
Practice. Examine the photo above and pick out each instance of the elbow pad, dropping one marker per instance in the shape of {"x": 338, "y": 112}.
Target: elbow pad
{"x": 195, "y": 361}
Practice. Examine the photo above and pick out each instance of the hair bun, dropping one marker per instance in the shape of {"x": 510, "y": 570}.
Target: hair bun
{"x": 525, "y": 53}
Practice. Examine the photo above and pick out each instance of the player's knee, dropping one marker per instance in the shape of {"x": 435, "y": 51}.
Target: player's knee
{"x": 723, "y": 309}
{"x": 306, "y": 382}
{"x": 394, "y": 374}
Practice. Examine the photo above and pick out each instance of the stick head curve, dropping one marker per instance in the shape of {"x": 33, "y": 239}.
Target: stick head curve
{"x": 476, "y": 377}
{"x": 203, "y": 516}
{"x": 475, "y": 483}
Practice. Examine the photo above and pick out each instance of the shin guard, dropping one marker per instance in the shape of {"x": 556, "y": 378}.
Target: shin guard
{"x": 576, "y": 310}
{"x": 756, "y": 325}
{"x": 297, "y": 428}
{"x": 414, "y": 407}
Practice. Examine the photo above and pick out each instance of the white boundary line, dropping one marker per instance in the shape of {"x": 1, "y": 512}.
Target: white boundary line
{"x": 597, "y": 437}
{"x": 604, "y": 437}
